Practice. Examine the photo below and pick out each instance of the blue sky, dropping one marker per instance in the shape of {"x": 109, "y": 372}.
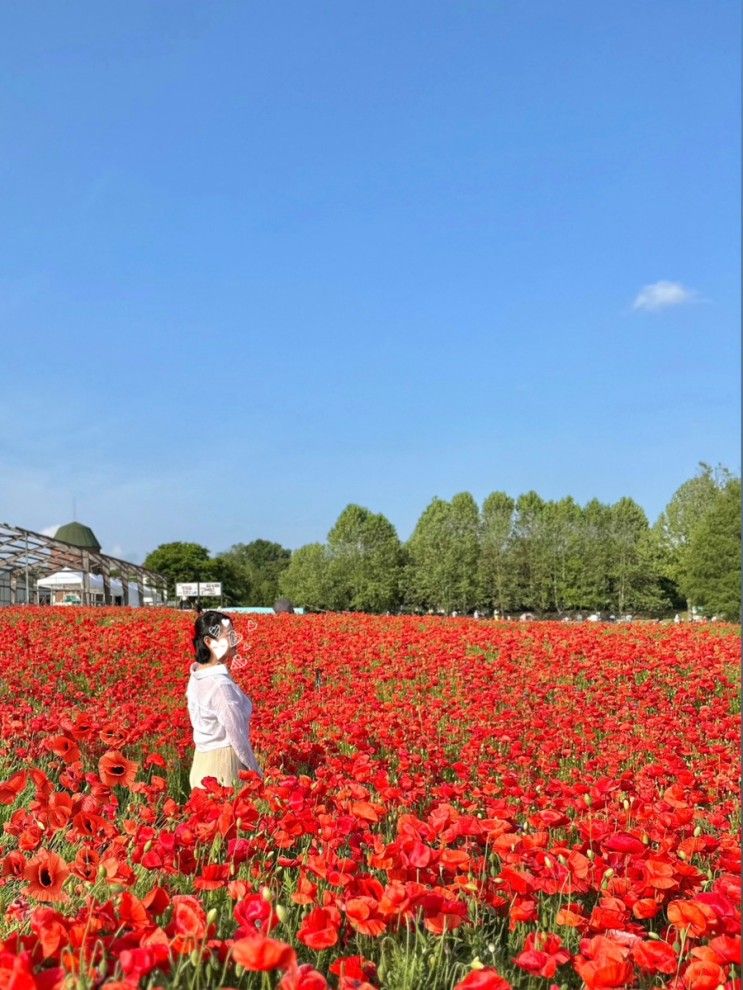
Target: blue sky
{"x": 262, "y": 260}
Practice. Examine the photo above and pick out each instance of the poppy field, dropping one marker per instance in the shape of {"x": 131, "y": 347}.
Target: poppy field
{"x": 447, "y": 804}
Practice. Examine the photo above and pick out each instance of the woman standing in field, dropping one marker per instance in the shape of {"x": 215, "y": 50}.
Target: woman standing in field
{"x": 219, "y": 710}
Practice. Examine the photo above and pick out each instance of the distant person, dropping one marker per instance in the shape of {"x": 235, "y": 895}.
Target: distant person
{"x": 283, "y": 605}
{"x": 219, "y": 710}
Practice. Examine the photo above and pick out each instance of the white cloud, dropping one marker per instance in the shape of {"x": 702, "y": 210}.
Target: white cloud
{"x": 661, "y": 295}
{"x": 50, "y": 530}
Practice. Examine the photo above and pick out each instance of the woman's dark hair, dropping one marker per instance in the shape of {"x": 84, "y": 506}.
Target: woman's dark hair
{"x": 204, "y": 622}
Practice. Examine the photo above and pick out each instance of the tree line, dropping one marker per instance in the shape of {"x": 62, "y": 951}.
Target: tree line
{"x": 509, "y": 554}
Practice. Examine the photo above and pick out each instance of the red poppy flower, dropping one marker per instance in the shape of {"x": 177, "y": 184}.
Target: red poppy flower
{"x": 156, "y": 900}
{"x": 45, "y": 875}
{"x": 483, "y": 979}
{"x": 302, "y": 977}
{"x": 319, "y": 929}
{"x": 13, "y": 864}
{"x": 189, "y": 917}
{"x": 726, "y": 949}
{"x": 691, "y": 916}
{"x": 542, "y": 955}
{"x": 13, "y": 788}
{"x": 138, "y": 962}
{"x": 85, "y": 864}
{"x": 257, "y": 952}
{"x": 704, "y": 975}
{"x": 354, "y": 967}
{"x": 114, "y": 768}
{"x": 64, "y": 747}
{"x": 112, "y": 735}
{"x": 360, "y": 911}
{"x": 655, "y": 957}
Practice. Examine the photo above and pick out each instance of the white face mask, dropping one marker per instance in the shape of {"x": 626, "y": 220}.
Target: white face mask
{"x": 220, "y": 648}
{"x": 224, "y": 637}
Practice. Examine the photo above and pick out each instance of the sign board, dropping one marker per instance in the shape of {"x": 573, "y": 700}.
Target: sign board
{"x": 203, "y": 589}
{"x": 210, "y": 589}
{"x": 187, "y": 590}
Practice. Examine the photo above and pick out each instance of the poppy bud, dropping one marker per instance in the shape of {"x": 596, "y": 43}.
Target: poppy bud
{"x": 101, "y": 871}
{"x": 194, "y": 958}
{"x": 590, "y": 854}
{"x": 587, "y": 800}
{"x": 609, "y": 872}
{"x": 148, "y": 845}
{"x": 654, "y": 935}
{"x": 281, "y": 913}
{"x": 645, "y": 839}
{"x": 682, "y": 854}
{"x": 697, "y": 831}
{"x": 239, "y": 970}
{"x": 561, "y": 859}
{"x": 548, "y": 862}
{"x": 211, "y": 916}
{"x": 625, "y": 804}
{"x": 266, "y": 894}
{"x": 477, "y": 964}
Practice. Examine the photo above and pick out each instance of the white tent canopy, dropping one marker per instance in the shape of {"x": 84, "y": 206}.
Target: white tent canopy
{"x": 70, "y": 580}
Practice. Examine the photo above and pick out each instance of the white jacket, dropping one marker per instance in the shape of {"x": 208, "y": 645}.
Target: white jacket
{"x": 220, "y": 713}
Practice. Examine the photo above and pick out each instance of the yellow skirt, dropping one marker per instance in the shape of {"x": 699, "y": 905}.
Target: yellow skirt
{"x": 223, "y": 764}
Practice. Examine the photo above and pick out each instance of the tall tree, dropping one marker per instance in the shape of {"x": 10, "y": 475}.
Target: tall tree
{"x": 180, "y": 561}
{"x": 464, "y": 550}
{"x": 594, "y": 588}
{"x": 496, "y": 528}
{"x": 365, "y": 561}
{"x": 712, "y": 576}
{"x": 306, "y": 581}
{"x": 685, "y": 511}
{"x": 444, "y": 555}
{"x": 562, "y": 520}
{"x": 628, "y": 526}
{"x": 531, "y": 553}
{"x": 258, "y": 565}
{"x": 426, "y": 578}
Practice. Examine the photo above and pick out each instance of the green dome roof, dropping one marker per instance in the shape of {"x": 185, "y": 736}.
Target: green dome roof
{"x": 78, "y": 535}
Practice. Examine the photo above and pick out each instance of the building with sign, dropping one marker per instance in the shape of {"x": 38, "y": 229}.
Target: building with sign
{"x": 69, "y": 568}
{"x": 188, "y": 590}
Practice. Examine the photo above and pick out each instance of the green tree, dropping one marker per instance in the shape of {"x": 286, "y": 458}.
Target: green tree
{"x": 712, "y": 575}
{"x": 562, "y": 522}
{"x": 306, "y": 581}
{"x": 444, "y": 553}
{"x": 180, "y": 562}
{"x": 531, "y": 554}
{"x": 258, "y": 566}
{"x": 365, "y": 561}
{"x": 594, "y": 585}
{"x": 496, "y": 527}
{"x": 655, "y": 594}
{"x": 223, "y": 569}
{"x": 627, "y": 562}
{"x": 685, "y": 511}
